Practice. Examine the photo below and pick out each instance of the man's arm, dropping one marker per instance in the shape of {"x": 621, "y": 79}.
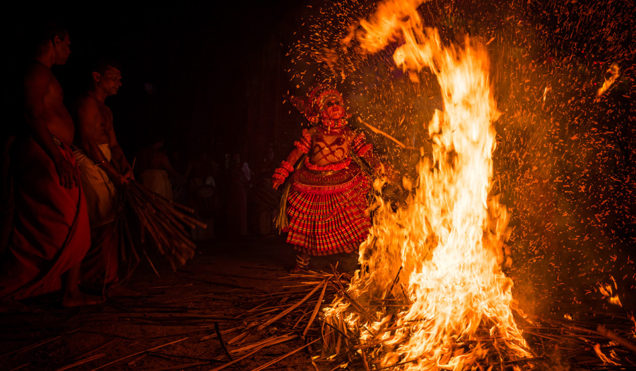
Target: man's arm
{"x": 303, "y": 146}
{"x": 37, "y": 84}
{"x": 119, "y": 159}
{"x": 89, "y": 119}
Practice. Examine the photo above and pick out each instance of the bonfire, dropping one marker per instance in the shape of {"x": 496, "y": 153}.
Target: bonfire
{"x": 431, "y": 278}
{"x": 430, "y": 292}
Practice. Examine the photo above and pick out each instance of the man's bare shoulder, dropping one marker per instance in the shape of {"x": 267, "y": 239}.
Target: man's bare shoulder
{"x": 37, "y": 75}
{"x": 313, "y": 130}
{"x": 87, "y": 104}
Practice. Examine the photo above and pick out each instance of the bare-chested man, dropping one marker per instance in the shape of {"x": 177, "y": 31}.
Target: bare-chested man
{"x": 51, "y": 233}
{"x": 103, "y": 167}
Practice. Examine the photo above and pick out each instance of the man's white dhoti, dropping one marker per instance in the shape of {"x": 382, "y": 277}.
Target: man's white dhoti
{"x": 99, "y": 190}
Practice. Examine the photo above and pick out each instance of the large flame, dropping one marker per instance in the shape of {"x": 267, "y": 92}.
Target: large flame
{"x": 445, "y": 243}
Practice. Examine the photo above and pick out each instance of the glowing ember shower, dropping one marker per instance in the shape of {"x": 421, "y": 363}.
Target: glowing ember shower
{"x": 446, "y": 242}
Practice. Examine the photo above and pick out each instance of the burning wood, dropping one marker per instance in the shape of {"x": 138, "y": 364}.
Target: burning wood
{"x": 286, "y": 316}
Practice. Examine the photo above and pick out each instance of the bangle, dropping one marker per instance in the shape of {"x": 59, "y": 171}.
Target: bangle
{"x": 287, "y": 166}
{"x": 282, "y": 172}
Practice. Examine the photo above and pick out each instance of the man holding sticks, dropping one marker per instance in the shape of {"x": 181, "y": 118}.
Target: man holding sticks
{"x": 103, "y": 167}
{"x": 108, "y": 179}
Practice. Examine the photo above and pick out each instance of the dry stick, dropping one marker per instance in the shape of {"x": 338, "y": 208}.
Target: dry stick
{"x": 181, "y": 215}
{"x": 173, "y": 232}
{"x": 150, "y": 262}
{"x": 337, "y": 330}
{"x": 170, "y": 224}
{"x": 239, "y": 337}
{"x": 357, "y": 306}
{"x": 364, "y": 360}
{"x": 172, "y": 203}
{"x": 302, "y": 317}
{"x": 32, "y": 346}
{"x": 218, "y": 335}
{"x": 612, "y": 336}
{"x": 174, "y": 220}
{"x": 147, "y": 226}
{"x": 378, "y": 131}
{"x": 256, "y": 307}
{"x": 82, "y": 361}
{"x": 228, "y": 331}
{"x": 317, "y": 308}
{"x": 395, "y": 280}
{"x": 155, "y": 222}
{"x": 183, "y": 366}
{"x": 85, "y": 354}
{"x": 162, "y": 223}
{"x": 238, "y": 359}
{"x": 267, "y": 342}
{"x": 129, "y": 240}
{"x": 140, "y": 352}
{"x": 286, "y": 311}
{"x": 20, "y": 367}
{"x": 276, "y": 360}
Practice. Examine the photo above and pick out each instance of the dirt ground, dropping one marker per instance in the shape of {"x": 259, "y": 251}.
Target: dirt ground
{"x": 160, "y": 323}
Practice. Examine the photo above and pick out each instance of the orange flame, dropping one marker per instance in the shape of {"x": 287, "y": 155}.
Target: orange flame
{"x": 446, "y": 242}
{"x": 612, "y": 75}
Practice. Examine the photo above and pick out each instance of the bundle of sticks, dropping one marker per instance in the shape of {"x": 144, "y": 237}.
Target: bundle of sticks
{"x": 165, "y": 224}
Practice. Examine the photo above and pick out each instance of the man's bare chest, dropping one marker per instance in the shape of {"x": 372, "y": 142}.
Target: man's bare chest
{"x": 102, "y": 124}
{"x": 332, "y": 147}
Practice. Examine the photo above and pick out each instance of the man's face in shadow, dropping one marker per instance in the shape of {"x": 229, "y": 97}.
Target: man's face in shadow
{"x": 62, "y": 47}
{"x": 109, "y": 81}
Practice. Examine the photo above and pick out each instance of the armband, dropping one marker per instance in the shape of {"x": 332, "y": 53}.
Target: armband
{"x": 278, "y": 176}
{"x": 302, "y": 146}
{"x": 364, "y": 149}
{"x": 287, "y": 166}
{"x": 283, "y": 172}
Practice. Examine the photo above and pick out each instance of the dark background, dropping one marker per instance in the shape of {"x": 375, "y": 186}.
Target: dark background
{"x": 214, "y": 78}
{"x": 205, "y": 77}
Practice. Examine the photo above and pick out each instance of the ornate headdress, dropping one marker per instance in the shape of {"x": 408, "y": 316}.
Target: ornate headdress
{"x": 316, "y": 110}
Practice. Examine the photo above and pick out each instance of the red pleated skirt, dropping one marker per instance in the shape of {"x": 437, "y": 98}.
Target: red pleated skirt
{"x": 327, "y": 211}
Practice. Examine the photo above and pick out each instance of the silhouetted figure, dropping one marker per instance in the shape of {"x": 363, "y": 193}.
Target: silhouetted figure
{"x": 103, "y": 167}
{"x": 155, "y": 169}
{"x": 203, "y": 191}
{"x": 240, "y": 177}
{"x": 265, "y": 199}
{"x": 51, "y": 233}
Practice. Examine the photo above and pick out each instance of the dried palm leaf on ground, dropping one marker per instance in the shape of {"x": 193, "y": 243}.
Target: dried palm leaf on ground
{"x": 295, "y": 312}
{"x": 289, "y": 314}
{"x": 164, "y": 224}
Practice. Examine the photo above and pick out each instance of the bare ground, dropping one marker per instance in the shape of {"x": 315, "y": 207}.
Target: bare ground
{"x": 160, "y": 323}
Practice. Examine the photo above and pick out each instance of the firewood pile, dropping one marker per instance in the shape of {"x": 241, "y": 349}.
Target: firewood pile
{"x": 149, "y": 219}
{"x": 295, "y": 315}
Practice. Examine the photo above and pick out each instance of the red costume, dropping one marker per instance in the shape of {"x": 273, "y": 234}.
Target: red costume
{"x": 51, "y": 232}
{"x": 327, "y": 200}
